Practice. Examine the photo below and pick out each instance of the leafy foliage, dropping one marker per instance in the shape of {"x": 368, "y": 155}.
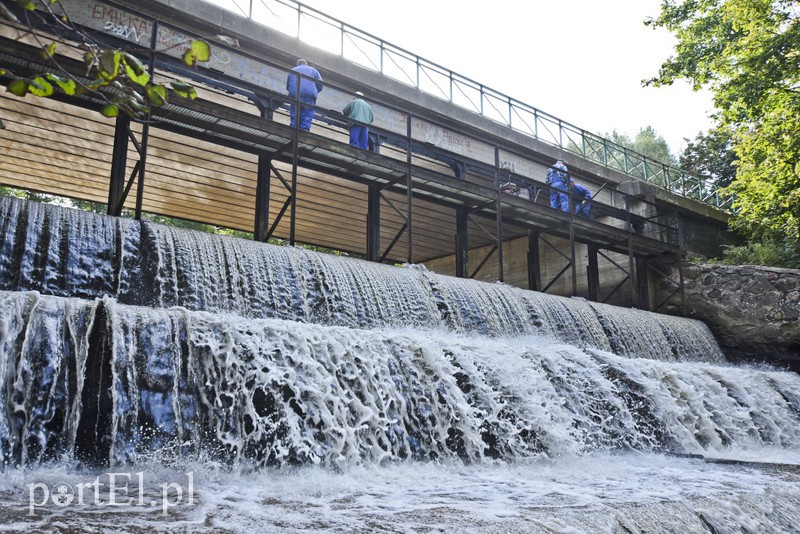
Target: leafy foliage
{"x": 119, "y": 76}
{"x": 648, "y": 143}
{"x": 711, "y": 157}
{"x": 748, "y": 53}
{"x": 28, "y": 195}
{"x": 784, "y": 253}
{"x": 198, "y": 51}
{"x": 767, "y": 185}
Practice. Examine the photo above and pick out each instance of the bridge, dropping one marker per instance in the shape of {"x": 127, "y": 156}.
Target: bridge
{"x": 430, "y": 190}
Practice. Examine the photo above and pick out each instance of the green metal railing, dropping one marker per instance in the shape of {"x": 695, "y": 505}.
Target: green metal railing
{"x": 314, "y": 27}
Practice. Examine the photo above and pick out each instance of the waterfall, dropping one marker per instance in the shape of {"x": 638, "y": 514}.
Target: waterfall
{"x": 282, "y": 355}
{"x": 141, "y": 263}
{"x": 124, "y": 343}
{"x": 44, "y": 344}
{"x": 278, "y": 392}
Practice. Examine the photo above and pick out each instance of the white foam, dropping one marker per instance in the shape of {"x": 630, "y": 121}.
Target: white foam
{"x": 586, "y": 495}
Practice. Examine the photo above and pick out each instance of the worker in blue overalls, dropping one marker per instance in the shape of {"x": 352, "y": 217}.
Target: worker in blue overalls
{"x": 562, "y": 186}
{"x": 310, "y": 87}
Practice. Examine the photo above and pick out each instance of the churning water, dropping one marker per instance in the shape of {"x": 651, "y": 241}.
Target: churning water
{"x": 240, "y": 386}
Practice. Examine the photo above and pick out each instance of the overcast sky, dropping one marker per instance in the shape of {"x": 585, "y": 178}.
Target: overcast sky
{"x": 580, "y": 60}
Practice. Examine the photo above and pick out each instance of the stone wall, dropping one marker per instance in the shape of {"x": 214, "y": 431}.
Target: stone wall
{"x": 754, "y": 312}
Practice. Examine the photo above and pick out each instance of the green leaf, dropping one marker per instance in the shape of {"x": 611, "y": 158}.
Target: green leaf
{"x": 198, "y": 51}
{"x": 201, "y": 50}
{"x": 157, "y": 94}
{"x": 110, "y": 110}
{"x": 109, "y": 64}
{"x": 66, "y": 84}
{"x": 746, "y": 54}
{"x": 134, "y": 69}
{"x": 48, "y": 51}
{"x": 95, "y": 84}
{"x": 40, "y": 87}
{"x": 18, "y": 87}
{"x": 138, "y": 108}
{"x": 26, "y": 4}
{"x": 184, "y": 90}
{"x": 189, "y": 58}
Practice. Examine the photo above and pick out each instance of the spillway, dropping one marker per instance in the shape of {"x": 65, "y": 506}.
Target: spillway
{"x": 123, "y": 342}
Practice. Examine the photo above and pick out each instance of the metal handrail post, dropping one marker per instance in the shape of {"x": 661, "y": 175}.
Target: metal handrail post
{"x": 409, "y": 195}
{"x": 500, "y": 265}
{"x": 295, "y": 158}
{"x": 573, "y": 255}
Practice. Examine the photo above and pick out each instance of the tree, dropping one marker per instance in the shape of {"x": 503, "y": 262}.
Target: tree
{"x": 117, "y": 75}
{"x": 710, "y": 156}
{"x": 747, "y": 52}
{"x": 647, "y": 143}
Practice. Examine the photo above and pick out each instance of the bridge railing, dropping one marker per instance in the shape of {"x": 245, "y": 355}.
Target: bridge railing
{"x": 314, "y": 27}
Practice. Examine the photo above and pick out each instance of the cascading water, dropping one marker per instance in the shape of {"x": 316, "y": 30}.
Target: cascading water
{"x": 122, "y": 341}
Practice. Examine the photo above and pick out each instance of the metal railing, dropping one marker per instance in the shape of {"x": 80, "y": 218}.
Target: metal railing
{"x": 318, "y": 29}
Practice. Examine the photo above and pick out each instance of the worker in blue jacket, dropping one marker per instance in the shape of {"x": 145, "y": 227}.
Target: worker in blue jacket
{"x": 582, "y": 198}
{"x": 310, "y": 87}
{"x": 558, "y": 179}
{"x": 562, "y": 186}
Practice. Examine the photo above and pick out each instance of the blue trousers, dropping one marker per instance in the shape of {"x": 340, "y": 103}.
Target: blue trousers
{"x": 583, "y": 201}
{"x": 306, "y": 113}
{"x": 559, "y": 200}
{"x": 581, "y": 198}
{"x": 359, "y": 136}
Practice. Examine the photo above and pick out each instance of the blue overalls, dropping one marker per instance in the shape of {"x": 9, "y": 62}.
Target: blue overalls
{"x": 309, "y": 89}
{"x": 558, "y": 179}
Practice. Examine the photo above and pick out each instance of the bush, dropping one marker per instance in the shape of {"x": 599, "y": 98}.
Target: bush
{"x": 769, "y": 253}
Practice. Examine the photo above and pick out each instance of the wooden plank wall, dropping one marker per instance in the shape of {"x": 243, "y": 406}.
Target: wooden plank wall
{"x": 53, "y": 147}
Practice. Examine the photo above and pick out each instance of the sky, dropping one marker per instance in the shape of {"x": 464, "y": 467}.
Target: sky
{"x": 580, "y": 60}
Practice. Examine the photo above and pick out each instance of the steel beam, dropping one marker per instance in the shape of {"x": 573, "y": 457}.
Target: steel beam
{"x": 119, "y": 160}
{"x": 499, "y": 214}
{"x": 462, "y": 242}
{"x": 593, "y": 274}
{"x": 263, "y": 179}
{"x": 373, "y": 223}
{"x": 534, "y": 262}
